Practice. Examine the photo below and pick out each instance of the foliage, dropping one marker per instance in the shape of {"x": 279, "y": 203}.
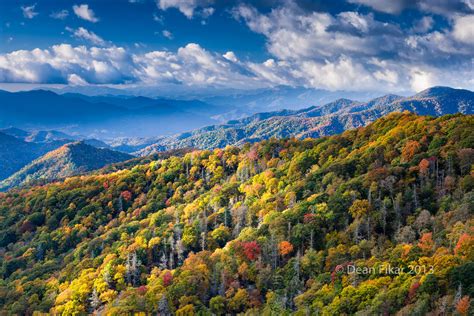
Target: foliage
{"x": 269, "y": 228}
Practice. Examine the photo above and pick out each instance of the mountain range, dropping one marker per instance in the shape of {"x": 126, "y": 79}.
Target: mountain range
{"x": 316, "y": 121}
{"x": 24, "y": 149}
{"x": 103, "y": 116}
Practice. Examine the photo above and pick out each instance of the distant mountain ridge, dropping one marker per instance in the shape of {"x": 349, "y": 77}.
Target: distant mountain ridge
{"x": 316, "y": 121}
{"x": 68, "y": 160}
{"x": 103, "y": 116}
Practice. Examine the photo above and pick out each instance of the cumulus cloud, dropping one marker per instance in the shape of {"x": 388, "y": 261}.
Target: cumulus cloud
{"x": 62, "y": 63}
{"x": 351, "y": 50}
{"x": 387, "y": 6}
{"x": 83, "y": 12}
{"x": 463, "y": 29}
{"x": 82, "y": 33}
{"x": 338, "y": 51}
{"x": 442, "y": 7}
{"x": 190, "y": 65}
{"x": 187, "y": 7}
{"x": 60, "y": 15}
{"x": 29, "y": 11}
{"x": 230, "y": 56}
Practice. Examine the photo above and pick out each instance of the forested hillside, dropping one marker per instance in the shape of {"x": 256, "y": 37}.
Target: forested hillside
{"x": 272, "y": 228}
{"x": 68, "y": 160}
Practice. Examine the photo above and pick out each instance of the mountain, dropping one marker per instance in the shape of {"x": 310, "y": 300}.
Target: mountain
{"x": 283, "y": 97}
{"x": 66, "y": 161}
{"x": 154, "y": 105}
{"x": 38, "y": 136}
{"x": 41, "y": 107}
{"x": 103, "y": 116}
{"x": 16, "y": 153}
{"x": 374, "y": 221}
{"x": 15, "y": 132}
{"x": 20, "y": 147}
{"x": 332, "y": 118}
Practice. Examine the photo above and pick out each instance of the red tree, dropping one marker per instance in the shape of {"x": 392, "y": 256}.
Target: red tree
{"x": 251, "y": 250}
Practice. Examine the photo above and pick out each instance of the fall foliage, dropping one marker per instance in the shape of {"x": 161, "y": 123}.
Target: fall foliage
{"x": 266, "y": 228}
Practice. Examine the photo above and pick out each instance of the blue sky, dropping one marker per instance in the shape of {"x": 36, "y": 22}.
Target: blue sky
{"x": 389, "y": 45}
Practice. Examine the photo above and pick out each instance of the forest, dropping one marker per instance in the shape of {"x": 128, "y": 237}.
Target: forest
{"x": 375, "y": 221}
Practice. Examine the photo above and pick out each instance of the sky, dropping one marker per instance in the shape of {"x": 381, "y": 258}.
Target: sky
{"x": 352, "y": 45}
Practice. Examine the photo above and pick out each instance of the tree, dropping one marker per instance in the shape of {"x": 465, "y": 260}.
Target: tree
{"x": 163, "y": 306}
{"x": 251, "y": 250}
{"x": 94, "y": 300}
{"x": 426, "y": 242}
{"x": 217, "y": 305}
{"x": 239, "y": 301}
{"x": 285, "y": 248}
{"x": 132, "y": 269}
{"x": 360, "y": 211}
{"x": 462, "y": 307}
{"x": 411, "y": 148}
{"x": 465, "y": 246}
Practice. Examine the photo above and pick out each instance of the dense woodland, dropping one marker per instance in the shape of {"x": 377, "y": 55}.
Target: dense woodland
{"x": 268, "y": 229}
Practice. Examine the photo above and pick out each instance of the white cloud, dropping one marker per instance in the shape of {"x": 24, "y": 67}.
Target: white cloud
{"x": 83, "y": 12}
{"x": 230, "y": 56}
{"x": 421, "y": 80}
{"x": 463, "y": 29}
{"x": 423, "y": 25}
{"x": 167, "y": 34}
{"x": 187, "y": 7}
{"x": 60, "y": 15}
{"x": 64, "y": 63}
{"x": 347, "y": 51}
{"x": 447, "y": 8}
{"x": 82, "y": 33}
{"x": 29, "y": 11}
{"x": 386, "y": 6}
{"x": 76, "y": 80}
{"x": 192, "y": 65}
{"x": 355, "y": 51}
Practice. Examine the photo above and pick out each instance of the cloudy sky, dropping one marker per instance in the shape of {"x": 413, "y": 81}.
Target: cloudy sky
{"x": 364, "y": 45}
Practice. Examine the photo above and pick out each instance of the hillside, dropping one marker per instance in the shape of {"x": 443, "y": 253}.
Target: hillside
{"x": 316, "y": 121}
{"x": 68, "y": 160}
{"x": 15, "y": 153}
{"x": 19, "y": 147}
{"x": 271, "y": 228}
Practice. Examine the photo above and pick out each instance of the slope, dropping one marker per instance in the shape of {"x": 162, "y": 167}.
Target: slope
{"x": 269, "y": 228}
{"x": 66, "y": 161}
{"x": 16, "y": 153}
